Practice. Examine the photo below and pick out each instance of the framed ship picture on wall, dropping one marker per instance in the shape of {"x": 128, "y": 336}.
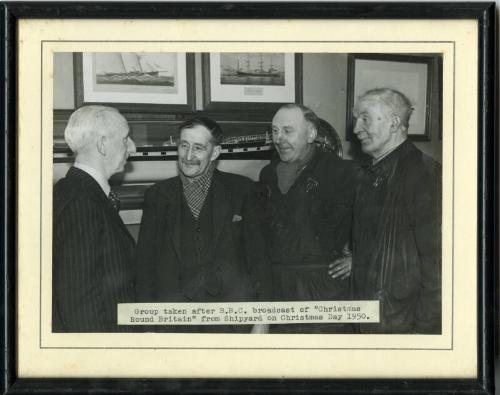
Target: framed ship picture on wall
{"x": 136, "y": 81}
{"x": 251, "y": 82}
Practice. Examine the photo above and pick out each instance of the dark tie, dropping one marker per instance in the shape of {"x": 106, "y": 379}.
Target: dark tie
{"x": 114, "y": 200}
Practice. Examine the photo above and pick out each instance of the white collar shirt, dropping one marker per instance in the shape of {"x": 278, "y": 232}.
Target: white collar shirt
{"x": 96, "y": 175}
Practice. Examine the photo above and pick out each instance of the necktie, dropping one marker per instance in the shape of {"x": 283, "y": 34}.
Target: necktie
{"x": 114, "y": 200}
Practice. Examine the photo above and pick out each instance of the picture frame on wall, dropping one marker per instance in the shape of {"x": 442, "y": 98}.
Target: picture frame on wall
{"x": 412, "y": 74}
{"x": 256, "y": 83}
{"x": 138, "y": 82}
{"x": 461, "y": 39}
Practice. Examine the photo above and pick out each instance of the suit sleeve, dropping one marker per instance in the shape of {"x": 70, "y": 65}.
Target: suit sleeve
{"x": 146, "y": 248}
{"x": 427, "y": 231}
{"x": 255, "y": 247}
{"x": 77, "y": 259}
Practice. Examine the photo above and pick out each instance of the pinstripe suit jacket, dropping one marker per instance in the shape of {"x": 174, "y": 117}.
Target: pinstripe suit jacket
{"x": 92, "y": 257}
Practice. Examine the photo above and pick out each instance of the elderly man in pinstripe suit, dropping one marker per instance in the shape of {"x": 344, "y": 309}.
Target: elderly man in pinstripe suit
{"x": 92, "y": 249}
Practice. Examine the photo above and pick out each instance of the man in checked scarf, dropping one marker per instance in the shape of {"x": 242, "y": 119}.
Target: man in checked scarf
{"x": 200, "y": 239}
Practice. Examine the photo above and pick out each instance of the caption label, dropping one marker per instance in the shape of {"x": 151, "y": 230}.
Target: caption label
{"x": 248, "y": 313}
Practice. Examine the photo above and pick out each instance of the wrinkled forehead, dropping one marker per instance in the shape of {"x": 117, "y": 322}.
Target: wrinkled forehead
{"x": 371, "y": 104}
{"x": 197, "y": 134}
{"x": 289, "y": 117}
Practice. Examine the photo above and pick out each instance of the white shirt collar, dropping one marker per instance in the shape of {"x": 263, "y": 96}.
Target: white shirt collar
{"x": 96, "y": 175}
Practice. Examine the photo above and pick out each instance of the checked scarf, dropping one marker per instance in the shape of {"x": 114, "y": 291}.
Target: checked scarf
{"x": 196, "y": 190}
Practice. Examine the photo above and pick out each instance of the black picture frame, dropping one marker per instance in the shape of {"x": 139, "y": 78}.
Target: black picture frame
{"x": 430, "y": 110}
{"x": 259, "y": 111}
{"x": 136, "y": 110}
{"x": 487, "y": 209}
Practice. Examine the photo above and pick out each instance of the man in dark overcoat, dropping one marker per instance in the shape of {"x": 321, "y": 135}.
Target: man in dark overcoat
{"x": 93, "y": 252}
{"x": 397, "y": 220}
{"x": 308, "y": 195}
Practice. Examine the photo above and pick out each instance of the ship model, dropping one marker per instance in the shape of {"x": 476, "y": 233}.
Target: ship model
{"x": 259, "y": 142}
{"x": 259, "y": 139}
{"x": 232, "y": 144}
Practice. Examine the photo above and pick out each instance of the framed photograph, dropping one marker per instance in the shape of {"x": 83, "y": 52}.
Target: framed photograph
{"x": 136, "y": 81}
{"x": 412, "y": 74}
{"x": 251, "y": 82}
{"x": 427, "y": 322}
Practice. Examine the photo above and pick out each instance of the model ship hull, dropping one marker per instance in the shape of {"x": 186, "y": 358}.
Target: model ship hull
{"x": 240, "y": 145}
{"x": 256, "y": 74}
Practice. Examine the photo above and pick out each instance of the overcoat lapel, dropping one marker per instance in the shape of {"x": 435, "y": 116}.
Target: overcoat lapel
{"x": 116, "y": 217}
{"x": 221, "y": 204}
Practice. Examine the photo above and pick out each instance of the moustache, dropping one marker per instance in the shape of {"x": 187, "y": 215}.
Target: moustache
{"x": 190, "y": 163}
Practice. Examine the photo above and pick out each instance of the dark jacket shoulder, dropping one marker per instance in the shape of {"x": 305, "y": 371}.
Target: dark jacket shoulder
{"x": 235, "y": 182}
{"x": 418, "y": 166}
{"x": 76, "y": 186}
{"x": 331, "y": 165}
{"x": 163, "y": 187}
{"x": 266, "y": 172}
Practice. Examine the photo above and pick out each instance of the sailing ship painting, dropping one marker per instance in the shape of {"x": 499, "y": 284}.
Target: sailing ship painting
{"x": 136, "y": 68}
{"x": 252, "y": 69}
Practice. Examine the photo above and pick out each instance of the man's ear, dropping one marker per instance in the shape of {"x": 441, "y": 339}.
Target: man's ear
{"x": 215, "y": 153}
{"x": 395, "y": 123}
{"x": 312, "y": 133}
{"x": 101, "y": 145}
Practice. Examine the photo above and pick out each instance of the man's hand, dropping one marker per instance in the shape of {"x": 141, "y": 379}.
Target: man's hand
{"x": 260, "y": 328}
{"x": 341, "y": 268}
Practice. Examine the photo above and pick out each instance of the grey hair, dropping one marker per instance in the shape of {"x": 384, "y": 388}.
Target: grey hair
{"x": 309, "y": 115}
{"x": 212, "y": 126}
{"x": 399, "y": 104}
{"x": 87, "y": 123}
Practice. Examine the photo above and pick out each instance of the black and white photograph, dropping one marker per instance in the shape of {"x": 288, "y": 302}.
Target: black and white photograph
{"x": 145, "y": 212}
{"x": 254, "y": 199}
